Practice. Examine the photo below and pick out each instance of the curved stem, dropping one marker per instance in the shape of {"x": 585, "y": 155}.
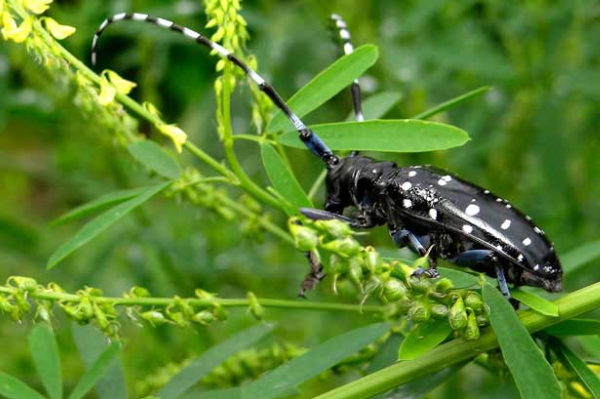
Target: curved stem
{"x": 316, "y": 185}
{"x": 227, "y": 303}
{"x": 459, "y": 350}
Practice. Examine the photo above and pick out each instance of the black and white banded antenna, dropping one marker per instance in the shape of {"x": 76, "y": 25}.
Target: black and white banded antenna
{"x": 347, "y": 47}
{"x": 308, "y": 137}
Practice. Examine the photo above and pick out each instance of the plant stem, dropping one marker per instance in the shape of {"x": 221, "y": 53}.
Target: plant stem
{"x": 459, "y": 350}
{"x": 316, "y": 185}
{"x": 227, "y": 303}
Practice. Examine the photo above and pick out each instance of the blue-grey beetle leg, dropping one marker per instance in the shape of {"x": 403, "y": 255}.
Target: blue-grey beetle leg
{"x": 404, "y": 238}
{"x": 476, "y": 257}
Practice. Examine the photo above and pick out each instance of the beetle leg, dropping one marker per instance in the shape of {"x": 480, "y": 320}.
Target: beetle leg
{"x": 315, "y": 275}
{"x": 404, "y": 238}
{"x": 320, "y": 214}
{"x": 477, "y": 257}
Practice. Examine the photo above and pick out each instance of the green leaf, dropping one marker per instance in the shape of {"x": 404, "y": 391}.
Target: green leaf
{"x": 314, "y": 362}
{"x": 578, "y": 366}
{"x": 44, "y": 351}
{"x": 459, "y": 278}
{"x": 90, "y": 344}
{"x": 393, "y": 135}
{"x": 535, "y": 302}
{"x": 98, "y": 204}
{"x": 101, "y": 223}
{"x": 155, "y": 158}
{"x": 387, "y": 354}
{"x": 210, "y": 359}
{"x": 591, "y": 344}
{"x": 575, "y": 259}
{"x": 575, "y": 327}
{"x": 327, "y": 84}
{"x": 283, "y": 180}
{"x": 13, "y": 388}
{"x": 451, "y": 103}
{"x": 531, "y": 372}
{"x": 97, "y": 370}
{"x": 424, "y": 337}
{"x": 378, "y": 105}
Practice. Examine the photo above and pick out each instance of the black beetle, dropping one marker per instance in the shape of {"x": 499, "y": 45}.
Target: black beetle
{"x": 425, "y": 208}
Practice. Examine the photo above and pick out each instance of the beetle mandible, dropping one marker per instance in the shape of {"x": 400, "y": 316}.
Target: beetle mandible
{"x": 423, "y": 207}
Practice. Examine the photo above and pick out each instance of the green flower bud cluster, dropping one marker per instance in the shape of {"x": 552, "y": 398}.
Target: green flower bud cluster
{"x": 418, "y": 298}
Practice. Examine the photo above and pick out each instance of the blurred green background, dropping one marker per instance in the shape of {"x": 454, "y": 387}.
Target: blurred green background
{"x": 535, "y": 141}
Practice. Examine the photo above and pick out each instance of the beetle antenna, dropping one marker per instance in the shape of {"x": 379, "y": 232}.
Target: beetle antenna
{"x": 310, "y": 139}
{"x": 345, "y": 39}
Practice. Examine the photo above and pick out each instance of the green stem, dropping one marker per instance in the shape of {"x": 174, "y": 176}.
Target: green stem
{"x": 228, "y": 141}
{"x": 459, "y": 350}
{"x": 316, "y": 185}
{"x": 228, "y": 303}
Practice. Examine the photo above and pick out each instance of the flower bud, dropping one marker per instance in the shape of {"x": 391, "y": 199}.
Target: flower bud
{"x": 335, "y": 227}
{"x": 457, "y": 316}
{"x": 419, "y": 312}
{"x": 255, "y": 307}
{"x": 472, "y": 330}
{"x": 474, "y": 301}
{"x": 420, "y": 284}
{"x": 439, "y": 310}
{"x": 373, "y": 260}
{"x": 204, "y": 317}
{"x": 337, "y": 265}
{"x": 355, "y": 272}
{"x": 305, "y": 238}
{"x": 139, "y": 292}
{"x": 394, "y": 290}
{"x": 444, "y": 285}
{"x": 346, "y": 247}
{"x": 22, "y": 283}
{"x": 372, "y": 284}
{"x": 483, "y": 320}
{"x": 154, "y": 317}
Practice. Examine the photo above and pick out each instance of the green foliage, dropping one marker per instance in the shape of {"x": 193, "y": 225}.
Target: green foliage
{"x": 71, "y": 134}
{"x": 384, "y": 136}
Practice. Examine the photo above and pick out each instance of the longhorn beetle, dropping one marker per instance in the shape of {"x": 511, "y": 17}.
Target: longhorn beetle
{"x": 424, "y": 208}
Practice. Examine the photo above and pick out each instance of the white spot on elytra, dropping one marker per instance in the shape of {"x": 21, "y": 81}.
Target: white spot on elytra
{"x": 406, "y": 203}
{"x": 406, "y": 185}
{"x": 433, "y": 213}
{"x": 442, "y": 182}
{"x": 520, "y": 258}
{"x": 374, "y": 171}
{"x": 505, "y": 225}
{"x": 412, "y": 173}
{"x": 447, "y": 177}
{"x": 499, "y": 200}
{"x": 528, "y": 217}
{"x": 486, "y": 191}
{"x": 472, "y": 210}
{"x": 473, "y": 200}
{"x": 536, "y": 267}
{"x": 538, "y": 230}
{"x": 527, "y": 241}
{"x": 467, "y": 228}
{"x": 508, "y": 206}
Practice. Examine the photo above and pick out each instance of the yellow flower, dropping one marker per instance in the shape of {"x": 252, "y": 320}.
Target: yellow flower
{"x": 178, "y": 136}
{"x": 122, "y": 85}
{"x": 107, "y": 92}
{"x": 151, "y": 108}
{"x": 11, "y": 31}
{"x": 37, "y": 6}
{"x": 57, "y": 30}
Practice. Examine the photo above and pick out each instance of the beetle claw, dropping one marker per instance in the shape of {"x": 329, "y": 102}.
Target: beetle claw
{"x": 429, "y": 273}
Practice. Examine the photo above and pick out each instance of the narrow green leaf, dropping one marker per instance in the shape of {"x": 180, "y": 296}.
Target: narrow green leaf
{"x": 44, "y": 351}
{"x": 210, "y": 359}
{"x": 282, "y": 178}
{"x": 13, "y": 388}
{"x": 155, "y": 158}
{"x": 376, "y": 106}
{"x": 387, "y": 354}
{"x": 98, "y": 204}
{"x": 575, "y": 327}
{"x": 327, "y": 84}
{"x": 459, "y": 278}
{"x": 101, "y": 223}
{"x": 535, "y": 302}
{"x": 531, "y": 372}
{"x": 578, "y": 366}
{"x": 423, "y": 338}
{"x": 314, "y": 362}
{"x": 398, "y": 135}
{"x": 451, "y": 103}
{"x": 577, "y": 258}
{"x": 97, "y": 370}
{"x": 90, "y": 344}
